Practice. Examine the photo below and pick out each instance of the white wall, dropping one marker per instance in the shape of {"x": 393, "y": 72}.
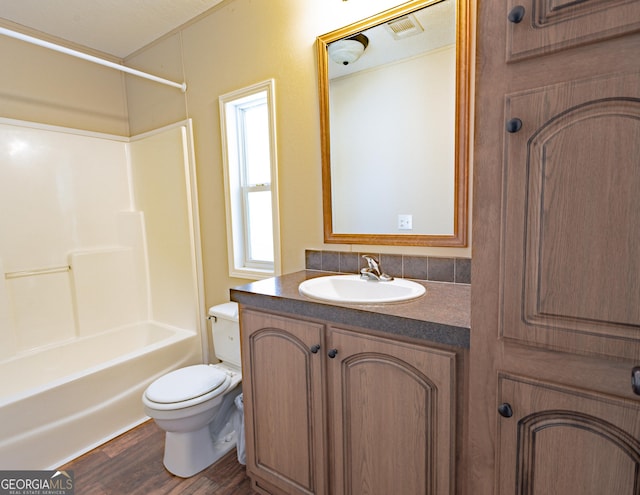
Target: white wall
{"x": 397, "y": 152}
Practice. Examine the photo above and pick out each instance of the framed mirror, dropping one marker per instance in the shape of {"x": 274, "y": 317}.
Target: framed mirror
{"x": 394, "y": 116}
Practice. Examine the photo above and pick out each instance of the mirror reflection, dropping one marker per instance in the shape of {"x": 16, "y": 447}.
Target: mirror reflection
{"x": 392, "y": 171}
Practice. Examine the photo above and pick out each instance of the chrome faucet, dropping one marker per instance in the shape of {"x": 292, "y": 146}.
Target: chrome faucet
{"x": 374, "y": 271}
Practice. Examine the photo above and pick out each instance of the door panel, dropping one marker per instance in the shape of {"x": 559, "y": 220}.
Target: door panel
{"x": 562, "y": 440}
{"x": 393, "y": 414}
{"x": 550, "y": 25}
{"x": 571, "y": 183}
{"x": 284, "y": 402}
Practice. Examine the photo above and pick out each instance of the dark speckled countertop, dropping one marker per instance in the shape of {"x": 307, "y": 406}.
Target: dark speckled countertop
{"x": 441, "y": 316}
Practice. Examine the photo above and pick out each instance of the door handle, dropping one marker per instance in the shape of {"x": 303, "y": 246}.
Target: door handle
{"x": 516, "y": 14}
{"x": 514, "y": 125}
{"x": 505, "y": 410}
{"x": 635, "y": 380}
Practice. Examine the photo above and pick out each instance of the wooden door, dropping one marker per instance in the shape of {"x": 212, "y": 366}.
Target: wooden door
{"x": 392, "y": 416}
{"x": 284, "y": 404}
{"x": 556, "y": 248}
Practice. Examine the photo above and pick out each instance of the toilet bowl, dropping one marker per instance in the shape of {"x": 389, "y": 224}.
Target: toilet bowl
{"x": 194, "y": 405}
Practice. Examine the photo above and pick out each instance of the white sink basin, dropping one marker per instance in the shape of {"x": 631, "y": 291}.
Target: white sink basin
{"x": 352, "y": 289}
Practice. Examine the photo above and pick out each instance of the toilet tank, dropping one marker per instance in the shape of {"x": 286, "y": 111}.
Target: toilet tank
{"x": 225, "y": 331}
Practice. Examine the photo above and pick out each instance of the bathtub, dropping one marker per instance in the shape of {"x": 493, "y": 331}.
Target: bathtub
{"x": 59, "y": 402}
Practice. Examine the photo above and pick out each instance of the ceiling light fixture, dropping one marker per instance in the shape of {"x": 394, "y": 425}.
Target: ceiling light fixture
{"x": 348, "y": 50}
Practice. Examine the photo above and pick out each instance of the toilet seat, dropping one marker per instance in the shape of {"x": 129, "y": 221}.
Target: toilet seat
{"x": 186, "y": 387}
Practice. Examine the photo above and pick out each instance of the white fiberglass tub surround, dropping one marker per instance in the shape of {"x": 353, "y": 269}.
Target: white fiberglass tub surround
{"x": 101, "y": 289}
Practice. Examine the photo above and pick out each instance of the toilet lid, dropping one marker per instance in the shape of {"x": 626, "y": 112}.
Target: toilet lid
{"x": 185, "y": 383}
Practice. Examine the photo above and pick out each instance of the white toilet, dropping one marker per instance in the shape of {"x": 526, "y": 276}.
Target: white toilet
{"x": 195, "y": 404}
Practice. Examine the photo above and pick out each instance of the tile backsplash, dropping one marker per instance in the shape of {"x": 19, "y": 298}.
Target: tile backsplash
{"x": 435, "y": 269}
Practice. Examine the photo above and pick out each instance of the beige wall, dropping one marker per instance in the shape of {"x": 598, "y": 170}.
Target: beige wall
{"x": 40, "y": 85}
{"x": 239, "y": 43}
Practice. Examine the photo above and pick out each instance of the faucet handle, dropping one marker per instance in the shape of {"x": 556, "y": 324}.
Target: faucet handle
{"x": 374, "y": 271}
{"x": 374, "y": 264}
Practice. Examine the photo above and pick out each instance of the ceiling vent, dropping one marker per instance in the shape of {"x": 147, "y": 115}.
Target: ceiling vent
{"x": 404, "y": 26}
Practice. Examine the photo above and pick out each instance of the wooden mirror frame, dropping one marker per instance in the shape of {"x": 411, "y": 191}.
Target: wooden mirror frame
{"x": 462, "y": 125}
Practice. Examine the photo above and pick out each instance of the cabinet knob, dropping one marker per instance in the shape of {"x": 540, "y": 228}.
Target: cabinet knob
{"x": 516, "y": 14}
{"x": 514, "y": 125}
{"x": 315, "y": 348}
{"x": 332, "y": 353}
{"x": 635, "y": 380}
{"x": 505, "y": 410}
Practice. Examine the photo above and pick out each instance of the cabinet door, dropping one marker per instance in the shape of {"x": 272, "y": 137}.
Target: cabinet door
{"x": 566, "y": 441}
{"x": 537, "y": 26}
{"x": 392, "y": 415}
{"x": 283, "y": 396}
{"x": 571, "y": 229}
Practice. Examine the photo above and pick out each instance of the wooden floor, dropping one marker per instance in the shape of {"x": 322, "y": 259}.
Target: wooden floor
{"x": 131, "y": 464}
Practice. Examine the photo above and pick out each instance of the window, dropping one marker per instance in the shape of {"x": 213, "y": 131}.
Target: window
{"x": 247, "y": 118}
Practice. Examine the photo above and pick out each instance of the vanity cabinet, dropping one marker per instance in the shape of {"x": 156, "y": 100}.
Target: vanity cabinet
{"x": 330, "y": 410}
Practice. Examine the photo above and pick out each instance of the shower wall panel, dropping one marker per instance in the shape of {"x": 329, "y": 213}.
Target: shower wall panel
{"x": 61, "y": 192}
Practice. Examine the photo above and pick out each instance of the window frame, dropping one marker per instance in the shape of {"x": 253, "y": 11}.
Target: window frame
{"x": 235, "y": 187}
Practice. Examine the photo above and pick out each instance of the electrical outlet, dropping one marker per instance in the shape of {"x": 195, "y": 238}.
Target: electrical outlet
{"x": 405, "y": 222}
